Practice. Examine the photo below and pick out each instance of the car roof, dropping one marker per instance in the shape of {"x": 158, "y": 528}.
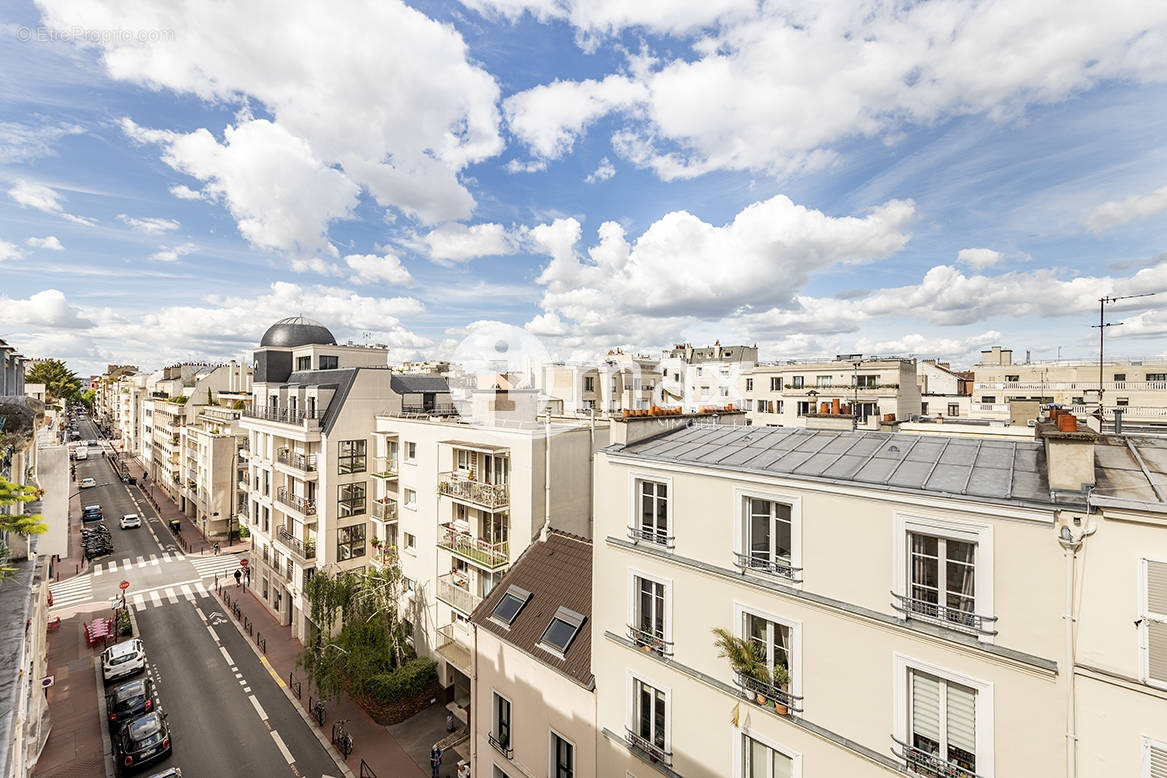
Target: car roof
{"x": 130, "y": 516}
{"x": 144, "y": 726}
{"x": 91, "y": 508}
{"x": 136, "y": 688}
{"x": 124, "y": 648}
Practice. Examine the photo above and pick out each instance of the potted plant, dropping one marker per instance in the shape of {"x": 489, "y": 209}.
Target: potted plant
{"x": 780, "y": 677}
{"x": 744, "y": 655}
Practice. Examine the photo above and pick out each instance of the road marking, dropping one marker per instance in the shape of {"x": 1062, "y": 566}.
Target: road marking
{"x": 201, "y": 589}
{"x": 154, "y": 561}
{"x": 199, "y": 611}
{"x": 186, "y": 592}
{"x": 280, "y": 744}
{"x": 141, "y": 561}
{"x": 247, "y": 690}
{"x": 226, "y": 655}
{"x": 258, "y": 708}
{"x": 155, "y": 598}
{"x": 139, "y": 602}
{"x": 113, "y": 566}
{"x": 170, "y": 595}
{"x": 243, "y": 683}
{"x": 213, "y": 634}
{"x": 97, "y": 570}
{"x": 238, "y": 674}
{"x": 274, "y": 674}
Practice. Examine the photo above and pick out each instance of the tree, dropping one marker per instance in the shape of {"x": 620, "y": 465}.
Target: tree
{"x": 86, "y": 398}
{"x": 11, "y": 494}
{"x": 60, "y": 382}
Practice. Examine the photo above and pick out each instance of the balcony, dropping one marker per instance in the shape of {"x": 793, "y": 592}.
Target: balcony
{"x": 284, "y": 416}
{"x": 767, "y": 694}
{"x": 917, "y": 761}
{"x": 763, "y": 562}
{"x": 647, "y": 749}
{"x": 423, "y": 409}
{"x": 953, "y": 618}
{"x": 477, "y": 550}
{"x": 305, "y": 463}
{"x": 295, "y": 501}
{"x": 385, "y": 509}
{"x": 386, "y": 468}
{"x": 649, "y": 641}
{"x": 650, "y": 535}
{"x": 459, "y": 487}
{"x": 501, "y": 745}
{"x": 455, "y": 646}
{"x": 304, "y": 549}
{"x": 454, "y": 590}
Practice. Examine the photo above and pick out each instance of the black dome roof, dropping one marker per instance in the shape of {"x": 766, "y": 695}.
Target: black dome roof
{"x": 297, "y": 331}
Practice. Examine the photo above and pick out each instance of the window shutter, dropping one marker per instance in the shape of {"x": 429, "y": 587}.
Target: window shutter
{"x": 1157, "y": 762}
{"x": 962, "y": 702}
{"x": 926, "y": 706}
{"x": 1155, "y": 617}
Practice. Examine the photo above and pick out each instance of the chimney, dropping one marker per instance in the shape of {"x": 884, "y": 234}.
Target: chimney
{"x": 1069, "y": 452}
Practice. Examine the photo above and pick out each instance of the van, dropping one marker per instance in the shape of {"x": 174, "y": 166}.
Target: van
{"x": 82, "y": 453}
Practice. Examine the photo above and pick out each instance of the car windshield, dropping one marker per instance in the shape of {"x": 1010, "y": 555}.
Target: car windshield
{"x": 136, "y": 689}
{"x": 145, "y": 730}
{"x": 130, "y": 703}
{"x": 120, "y": 659}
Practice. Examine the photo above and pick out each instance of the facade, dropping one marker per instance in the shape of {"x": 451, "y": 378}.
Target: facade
{"x": 617, "y": 383}
{"x": 533, "y": 640}
{"x": 944, "y": 393}
{"x": 706, "y": 377}
{"x": 787, "y": 394}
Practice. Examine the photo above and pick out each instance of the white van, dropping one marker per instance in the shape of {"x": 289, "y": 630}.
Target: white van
{"x": 83, "y": 453}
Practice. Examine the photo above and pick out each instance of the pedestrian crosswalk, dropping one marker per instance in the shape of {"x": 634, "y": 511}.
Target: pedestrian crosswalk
{"x": 139, "y": 561}
{"x": 168, "y": 595}
{"x": 210, "y": 565}
{"x": 74, "y": 590}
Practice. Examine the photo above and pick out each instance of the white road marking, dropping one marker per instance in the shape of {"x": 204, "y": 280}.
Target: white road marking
{"x": 201, "y": 589}
{"x": 170, "y": 595}
{"x": 153, "y": 560}
{"x": 97, "y": 570}
{"x": 280, "y": 744}
{"x": 139, "y": 602}
{"x": 141, "y": 561}
{"x": 226, "y": 655}
{"x": 213, "y": 633}
{"x": 113, "y": 566}
{"x": 186, "y": 592}
{"x": 154, "y": 598}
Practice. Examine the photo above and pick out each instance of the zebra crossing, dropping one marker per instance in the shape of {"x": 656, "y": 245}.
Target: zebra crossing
{"x": 140, "y": 561}
{"x": 210, "y": 566}
{"x": 168, "y": 595}
{"x": 74, "y": 590}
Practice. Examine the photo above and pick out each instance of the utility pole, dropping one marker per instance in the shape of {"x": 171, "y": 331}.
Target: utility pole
{"x": 1102, "y": 325}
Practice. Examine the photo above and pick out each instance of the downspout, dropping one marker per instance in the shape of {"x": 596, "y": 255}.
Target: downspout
{"x": 473, "y": 700}
{"x": 1071, "y": 542}
{"x": 546, "y": 531}
{"x": 592, "y": 473}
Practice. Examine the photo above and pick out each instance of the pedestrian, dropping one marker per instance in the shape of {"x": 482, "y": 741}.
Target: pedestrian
{"x": 216, "y": 549}
{"x": 435, "y": 760}
{"x": 238, "y": 578}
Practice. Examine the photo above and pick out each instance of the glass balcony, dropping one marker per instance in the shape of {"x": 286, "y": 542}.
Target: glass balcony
{"x": 489, "y": 496}
{"x": 454, "y": 590}
{"x": 284, "y": 415}
{"x": 386, "y": 468}
{"x": 295, "y": 501}
{"x": 477, "y": 550}
{"x": 304, "y": 549}
{"x": 385, "y": 509}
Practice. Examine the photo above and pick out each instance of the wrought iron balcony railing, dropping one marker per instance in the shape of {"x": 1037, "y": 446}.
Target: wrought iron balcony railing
{"x": 647, "y": 748}
{"x": 477, "y": 550}
{"x": 501, "y": 744}
{"x": 305, "y": 549}
{"x": 755, "y": 562}
{"x": 954, "y": 618}
{"x": 922, "y": 762}
{"x": 752, "y": 688}
{"x": 490, "y": 496}
{"x": 651, "y": 536}
{"x": 301, "y": 504}
{"x": 649, "y": 640}
{"x": 303, "y": 462}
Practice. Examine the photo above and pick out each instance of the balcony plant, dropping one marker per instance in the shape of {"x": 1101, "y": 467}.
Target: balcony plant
{"x": 780, "y": 677}
{"x": 745, "y": 656}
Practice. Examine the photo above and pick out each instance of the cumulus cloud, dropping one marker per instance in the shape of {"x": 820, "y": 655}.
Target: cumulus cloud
{"x": 172, "y": 253}
{"x": 9, "y": 251}
{"x": 49, "y": 242}
{"x": 47, "y": 308}
{"x": 44, "y": 198}
{"x": 603, "y": 172}
{"x": 370, "y": 268}
{"x": 979, "y": 259}
{"x": 461, "y": 243}
{"x": 150, "y": 225}
{"x": 1119, "y": 212}
{"x": 398, "y": 114}
{"x": 184, "y": 192}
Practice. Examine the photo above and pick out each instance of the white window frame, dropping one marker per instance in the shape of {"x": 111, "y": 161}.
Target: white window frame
{"x": 984, "y": 723}
{"x": 405, "y": 501}
{"x": 552, "y": 733}
{"x": 634, "y": 479}
{"x": 630, "y": 678}
{"x": 1145, "y": 759}
{"x": 741, "y": 732}
{"x": 406, "y": 446}
{"x": 982, "y": 534}
{"x": 406, "y": 545}
{"x": 634, "y": 599}
{"x": 494, "y": 718}
{"x": 740, "y": 495}
{"x": 1144, "y": 611}
{"x": 740, "y": 609}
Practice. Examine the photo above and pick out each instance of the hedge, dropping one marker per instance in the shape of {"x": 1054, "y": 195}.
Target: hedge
{"x": 412, "y": 678}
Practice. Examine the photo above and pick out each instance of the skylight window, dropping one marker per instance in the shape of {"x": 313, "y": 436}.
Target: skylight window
{"x": 508, "y": 607}
{"x": 562, "y": 630}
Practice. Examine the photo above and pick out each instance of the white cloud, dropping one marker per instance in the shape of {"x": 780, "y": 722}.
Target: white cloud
{"x": 184, "y": 192}
{"x": 603, "y": 172}
{"x": 461, "y": 243}
{"x": 50, "y": 242}
{"x": 9, "y": 251}
{"x": 1116, "y": 213}
{"x": 172, "y": 253}
{"x": 780, "y": 90}
{"x": 44, "y": 198}
{"x": 22, "y": 142}
{"x": 150, "y": 225}
{"x": 595, "y": 17}
{"x": 979, "y": 259}
{"x": 399, "y": 113}
{"x": 47, "y": 308}
{"x": 370, "y": 268}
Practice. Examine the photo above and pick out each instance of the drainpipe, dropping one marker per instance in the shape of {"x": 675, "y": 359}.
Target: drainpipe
{"x": 546, "y": 531}
{"x": 1071, "y": 543}
{"x": 592, "y": 473}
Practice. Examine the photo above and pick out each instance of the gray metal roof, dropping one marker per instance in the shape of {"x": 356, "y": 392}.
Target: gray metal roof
{"x": 987, "y": 469}
{"x": 418, "y": 384}
{"x": 297, "y": 331}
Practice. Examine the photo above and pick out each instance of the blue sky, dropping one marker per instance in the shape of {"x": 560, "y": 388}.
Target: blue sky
{"x": 904, "y": 178}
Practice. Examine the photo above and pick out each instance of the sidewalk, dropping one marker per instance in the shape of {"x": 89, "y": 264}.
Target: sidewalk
{"x": 372, "y": 742}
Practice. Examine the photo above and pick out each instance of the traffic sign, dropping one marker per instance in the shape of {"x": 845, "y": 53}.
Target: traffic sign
{"x": 47, "y": 681}
{"x": 243, "y": 563}
{"x": 124, "y": 585}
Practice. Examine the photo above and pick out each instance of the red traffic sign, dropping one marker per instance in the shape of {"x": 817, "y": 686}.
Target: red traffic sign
{"x": 124, "y": 585}
{"x": 243, "y": 563}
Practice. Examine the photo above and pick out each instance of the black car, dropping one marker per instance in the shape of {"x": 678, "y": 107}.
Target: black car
{"x": 141, "y": 741}
{"x": 92, "y": 513}
{"x": 128, "y": 701}
{"x": 129, "y": 479}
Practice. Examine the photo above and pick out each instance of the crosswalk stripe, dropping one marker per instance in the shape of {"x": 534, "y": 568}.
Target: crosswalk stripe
{"x": 139, "y": 602}
{"x": 97, "y": 570}
{"x": 201, "y": 589}
{"x": 170, "y": 595}
{"x": 187, "y": 593}
{"x": 113, "y": 566}
{"x": 153, "y": 560}
{"x": 141, "y": 561}
{"x": 154, "y": 598}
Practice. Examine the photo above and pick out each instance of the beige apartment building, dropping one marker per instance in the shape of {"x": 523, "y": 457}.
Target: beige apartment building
{"x": 617, "y": 383}
{"x": 693, "y": 378}
{"x": 534, "y": 697}
{"x": 913, "y": 589}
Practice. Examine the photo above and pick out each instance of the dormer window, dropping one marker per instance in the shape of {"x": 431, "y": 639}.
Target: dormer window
{"x": 507, "y": 609}
{"x": 562, "y": 630}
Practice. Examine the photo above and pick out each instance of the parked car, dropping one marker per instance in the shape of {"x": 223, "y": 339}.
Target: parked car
{"x": 131, "y": 520}
{"x": 91, "y": 512}
{"x": 74, "y": 435}
{"x": 141, "y": 741}
{"x": 128, "y": 701}
{"x": 129, "y": 479}
{"x": 173, "y": 772}
{"x": 81, "y": 453}
{"x": 88, "y": 483}
{"x": 123, "y": 660}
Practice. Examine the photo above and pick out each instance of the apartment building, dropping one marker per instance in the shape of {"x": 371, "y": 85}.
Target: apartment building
{"x": 1136, "y": 388}
{"x": 214, "y": 475}
{"x": 911, "y": 589}
{"x": 693, "y": 378}
{"x": 457, "y": 499}
{"x": 533, "y": 704}
{"x": 944, "y": 393}
{"x": 616, "y": 383}
{"x": 787, "y": 394}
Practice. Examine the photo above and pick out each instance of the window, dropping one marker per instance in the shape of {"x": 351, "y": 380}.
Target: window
{"x": 329, "y": 362}
{"x": 865, "y": 381}
{"x": 953, "y": 409}
{"x": 589, "y": 383}
{"x": 350, "y": 542}
{"x": 410, "y": 451}
{"x": 942, "y": 577}
{"x": 648, "y": 617}
{"x": 748, "y": 404}
{"x": 1119, "y": 377}
{"x": 351, "y": 501}
{"x": 761, "y": 761}
{"x": 410, "y": 541}
{"x": 775, "y": 383}
{"x": 1153, "y": 625}
{"x": 562, "y": 757}
{"x": 749, "y": 384}
{"x": 989, "y": 399}
{"x": 498, "y": 773}
{"x": 1012, "y": 378}
{"x": 822, "y": 380}
{"x": 508, "y": 607}
{"x": 648, "y": 728}
{"x": 500, "y": 732}
{"x": 410, "y": 498}
{"x": 776, "y": 406}
{"x": 941, "y": 726}
{"x": 652, "y": 513}
{"x": 1154, "y": 757}
{"x": 351, "y": 457}
{"x": 767, "y": 537}
{"x": 562, "y": 630}
{"x": 465, "y": 460}
{"x": 796, "y": 382}
{"x": 1122, "y": 401}
{"x": 1157, "y": 376}
{"x": 805, "y": 407}
{"x": 303, "y": 363}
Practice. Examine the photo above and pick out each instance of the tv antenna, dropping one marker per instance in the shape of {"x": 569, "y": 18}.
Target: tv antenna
{"x": 1101, "y": 326}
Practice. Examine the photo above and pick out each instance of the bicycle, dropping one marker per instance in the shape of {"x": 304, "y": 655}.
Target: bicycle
{"x": 318, "y": 712}
{"x": 341, "y": 738}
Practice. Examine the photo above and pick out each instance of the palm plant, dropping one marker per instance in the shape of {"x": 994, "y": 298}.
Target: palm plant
{"x": 747, "y": 657}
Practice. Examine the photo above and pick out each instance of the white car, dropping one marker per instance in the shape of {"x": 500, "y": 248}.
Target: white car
{"x": 131, "y": 520}
{"x": 123, "y": 659}
{"x": 88, "y": 483}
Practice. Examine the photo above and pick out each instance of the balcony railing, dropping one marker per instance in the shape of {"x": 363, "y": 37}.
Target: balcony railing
{"x": 648, "y": 749}
{"x": 649, "y": 640}
{"x": 285, "y": 415}
{"x": 303, "y": 462}
{"x": 305, "y": 549}
{"x": 460, "y": 487}
{"x": 430, "y": 409}
{"x": 455, "y": 592}
{"x": 477, "y": 550}
{"x": 385, "y": 509}
{"x": 386, "y": 467}
{"x": 454, "y": 644}
{"x": 955, "y": 618}
{"x": 922, "y": 762}
{"x": 765, "y": 563}
{"x": 301, "y": 504}
{"x": 651, "y": 536}
{"x": 751, "y": 688}
{"x": 501, "y": 745}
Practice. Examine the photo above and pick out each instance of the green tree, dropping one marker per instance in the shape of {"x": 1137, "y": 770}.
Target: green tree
{"x": 11, "y": 494}
{"x": 60, "y": 382}
{"x": 86, "y": 398}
